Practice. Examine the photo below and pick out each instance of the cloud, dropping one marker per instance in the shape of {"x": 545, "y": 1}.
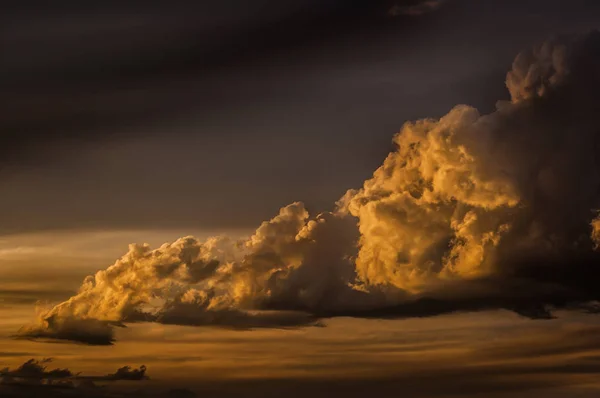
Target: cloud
{"x": 35, "y": 373}
{"x": 33, "y": 378}
{"x": 290, "y": 264}
{"x": 470, "y": 212}
{"x": 38, "y": 369}
{"x": 123, "y": 373}
{"x": 124, "y": 41}
{"x": 468, "y": 195}
{"x": 447, "y": 356}
{"x": 420, "y": 8}
{"x": 33, "y": 369}
{"x": 85, "y": 330}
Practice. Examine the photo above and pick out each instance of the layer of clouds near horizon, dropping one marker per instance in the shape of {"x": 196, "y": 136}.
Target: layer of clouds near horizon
{"x": 34, "y": 374}
{"x": 473, "y": 211}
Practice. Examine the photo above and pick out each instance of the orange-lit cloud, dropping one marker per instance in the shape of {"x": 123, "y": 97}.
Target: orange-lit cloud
{"x": 469, "y": 212}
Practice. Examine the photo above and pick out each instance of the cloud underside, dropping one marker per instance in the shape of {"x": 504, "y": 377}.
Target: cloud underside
{"x": 470, "y": 212}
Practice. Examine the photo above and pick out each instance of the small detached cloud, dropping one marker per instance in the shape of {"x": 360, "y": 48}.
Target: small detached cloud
{"x": 86, "y": 331}
{"x": 124, "y": 373}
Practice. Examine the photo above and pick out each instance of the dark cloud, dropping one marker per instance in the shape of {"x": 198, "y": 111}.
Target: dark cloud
{"x": 100, "y": 101}
{"x": 187, "y": 314}
{"x": 78, "y": 72}
{"x": 33, "y": 378}
{"x": 417, "y": 9}
{"x": 36, "y": 370}
{"x": 87, "y": 331}
{"x": 124, "y": 373}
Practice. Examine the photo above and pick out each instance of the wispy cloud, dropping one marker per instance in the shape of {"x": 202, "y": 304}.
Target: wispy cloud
{"x": 415, "y": 10}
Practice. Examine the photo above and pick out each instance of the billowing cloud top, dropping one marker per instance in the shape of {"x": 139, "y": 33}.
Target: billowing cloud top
{"x": 469, "y": 212}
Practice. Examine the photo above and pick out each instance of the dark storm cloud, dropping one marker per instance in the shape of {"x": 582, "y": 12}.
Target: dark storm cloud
{"x": 104, "y": 102}
{"x": 79, "y": 71}
{"x": 98, "y": 76}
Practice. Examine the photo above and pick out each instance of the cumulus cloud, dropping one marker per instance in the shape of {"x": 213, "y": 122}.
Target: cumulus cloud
{"x": 469, "y": 212}
{"x": 503, "y": 195}
{"x": 290, "y": 265}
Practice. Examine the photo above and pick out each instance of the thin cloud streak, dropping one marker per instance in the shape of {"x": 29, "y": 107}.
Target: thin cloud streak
{"x": 416, "y": 10}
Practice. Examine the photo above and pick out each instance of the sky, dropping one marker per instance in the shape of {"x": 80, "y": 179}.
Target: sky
{"x": 306, "y": 197}
{"x": 173, "y": 116}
